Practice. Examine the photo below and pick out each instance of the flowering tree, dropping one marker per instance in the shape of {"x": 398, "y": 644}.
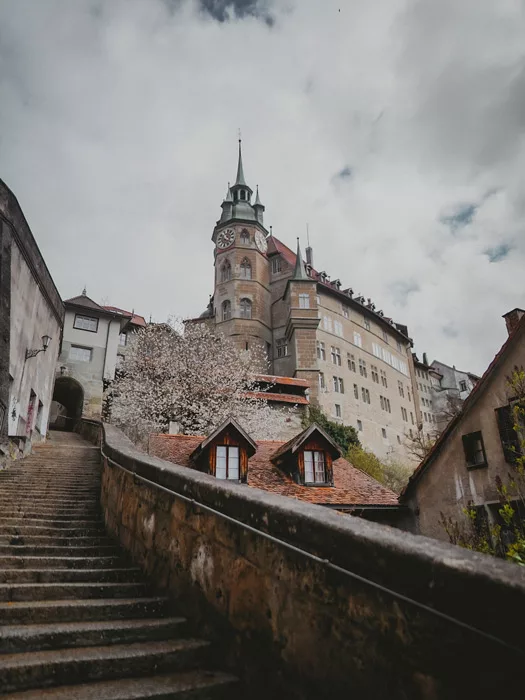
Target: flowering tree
{"x": 193, "y": 377}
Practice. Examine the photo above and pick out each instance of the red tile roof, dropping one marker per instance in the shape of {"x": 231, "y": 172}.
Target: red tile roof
{"x": 283, "y": 398}
{"x": 352, "y": 486}
{"x": 290, "y": 381}
{"x": 133, "y": 318}
{"x": 469, "y": 401}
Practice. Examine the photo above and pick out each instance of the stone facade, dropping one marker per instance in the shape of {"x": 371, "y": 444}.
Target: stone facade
{"x": 450, "y": 388}
{"x": 357, "y": 361}
{"x": 30, "y": 309}
{"x": 470, "y": 455}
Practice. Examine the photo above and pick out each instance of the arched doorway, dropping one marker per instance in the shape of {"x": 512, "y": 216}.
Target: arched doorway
{"x": 68, "y": 401}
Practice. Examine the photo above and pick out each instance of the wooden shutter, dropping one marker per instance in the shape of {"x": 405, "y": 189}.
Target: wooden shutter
{"x": 509, "y": 439}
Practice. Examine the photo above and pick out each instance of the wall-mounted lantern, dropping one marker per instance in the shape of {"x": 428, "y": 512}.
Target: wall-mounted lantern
{"x": 46, "y": 339}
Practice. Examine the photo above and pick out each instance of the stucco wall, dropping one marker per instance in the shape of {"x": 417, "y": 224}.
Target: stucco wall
{"x": 298, "y": 627}
{"x": 447, "y": 485}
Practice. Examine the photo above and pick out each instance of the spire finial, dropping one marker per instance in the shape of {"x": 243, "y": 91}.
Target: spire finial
{"x": 300, "y": 271}
{"x": 84, "y": 291}
{"x": 239, "y": 180}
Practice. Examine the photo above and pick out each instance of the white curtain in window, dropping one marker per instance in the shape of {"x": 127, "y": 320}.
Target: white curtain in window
{"x": 233, "y": 463}
{"x": 308, "y": 467}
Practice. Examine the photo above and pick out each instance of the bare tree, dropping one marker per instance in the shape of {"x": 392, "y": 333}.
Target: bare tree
{"x": 420, "y": 443}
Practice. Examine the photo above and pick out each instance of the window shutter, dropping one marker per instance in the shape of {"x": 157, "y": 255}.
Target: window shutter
{"x": 509, "y": 439}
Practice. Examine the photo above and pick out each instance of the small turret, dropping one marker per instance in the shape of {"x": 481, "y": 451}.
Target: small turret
{"x": 227, "y": 205}
{"x": 258, "y": 207}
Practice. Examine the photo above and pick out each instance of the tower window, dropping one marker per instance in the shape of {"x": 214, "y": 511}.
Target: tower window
{"x": 276, "y": 265}
{"x": 282, "y": 347}
{"x": 226, "y": 310}
{"x": 246, "y": 269}
{"x": 304, "y": 301}
{"x": 243, "y": 194}
{"x": 246, "y": 308}
{"x": 245, "y": 236}
{"x": 226, "y": 272}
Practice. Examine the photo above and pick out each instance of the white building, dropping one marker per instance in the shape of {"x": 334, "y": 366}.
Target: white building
{"x": 31, "y": 320}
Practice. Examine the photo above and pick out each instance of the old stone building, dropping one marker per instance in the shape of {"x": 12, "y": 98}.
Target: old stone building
{"x": 95, "y": 338}
{"x": 477, "y": 448}
{"x": 450, "y": 388}
{"x": 356, "y": 360}
{"x": 31, "y": 319}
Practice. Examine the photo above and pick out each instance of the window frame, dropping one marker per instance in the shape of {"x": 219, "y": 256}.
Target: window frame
{"x": 467, "y": 441}
{"x": 245, "y": 237}
{"x": 304, "y": 301}
{"x": 227, "y": 448}
{"x": 314, "y": 463}
{"x": 245, "y": 306}
{"x": 91, "y": 318}
{"x": 226, "y": 310}
{"x": 281, "y": 347}
{"x": 277, "y": 265}
{"x": 244, "y": 268}
{"x": 80, "y": 347}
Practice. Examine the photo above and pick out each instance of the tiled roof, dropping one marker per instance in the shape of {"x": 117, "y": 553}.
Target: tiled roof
{"x": 133, "y": 318}
{"x": 83, "y": 300}
{"x": 469, "y": 401}
{"x": 277, "y": 246}
{"x": 352, "y": 486}
{"x": 290, "y": 381}
{"x": 283, "y": 398}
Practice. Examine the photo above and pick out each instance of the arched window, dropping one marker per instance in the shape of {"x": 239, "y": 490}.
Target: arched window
{"x": 226, "y": 310}
{"x": 243, "y": 194}
{"x": 226, "y": 272}
{"x": 245, "y": 236}
{"x": 246, "y": 269}
{"x": 246, "y": 308}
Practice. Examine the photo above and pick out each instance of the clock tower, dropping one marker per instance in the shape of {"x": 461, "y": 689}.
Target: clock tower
{"x": 242, "y": 298}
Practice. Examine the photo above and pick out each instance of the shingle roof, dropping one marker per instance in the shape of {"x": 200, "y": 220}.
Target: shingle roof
{"x": 352, "y": 486}
{"x": 469, "y": 402}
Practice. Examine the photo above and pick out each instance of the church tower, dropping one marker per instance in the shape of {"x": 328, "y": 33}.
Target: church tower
{"x": 242, "y": 298}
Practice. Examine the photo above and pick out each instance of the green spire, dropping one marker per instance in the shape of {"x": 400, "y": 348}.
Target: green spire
{"x": 300, "y": 270}
{"x": 257, "y": 200}
{"x": 240, "y": 172}
{"x": 228, "y": 197}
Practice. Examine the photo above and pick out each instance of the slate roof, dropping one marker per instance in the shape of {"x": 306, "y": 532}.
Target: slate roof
{"x": 352, "y": 486}
{"x": 468, "y": 403}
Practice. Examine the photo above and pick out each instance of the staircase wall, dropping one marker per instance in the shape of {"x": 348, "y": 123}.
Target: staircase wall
{"x": 294, "y": 625}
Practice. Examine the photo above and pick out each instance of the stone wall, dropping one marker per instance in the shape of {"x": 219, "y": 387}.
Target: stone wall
{"x": 295, "y": 626}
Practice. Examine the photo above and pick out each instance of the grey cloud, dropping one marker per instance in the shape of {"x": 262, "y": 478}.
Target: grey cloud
{"x": 463, "y": 216}
{"x": 498, "y": 253}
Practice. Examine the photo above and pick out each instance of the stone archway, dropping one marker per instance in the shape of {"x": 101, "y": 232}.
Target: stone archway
{"x": 67, "y": 405}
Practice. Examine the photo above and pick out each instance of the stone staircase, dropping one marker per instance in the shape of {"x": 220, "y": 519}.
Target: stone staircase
{"x": 77, "y": 621}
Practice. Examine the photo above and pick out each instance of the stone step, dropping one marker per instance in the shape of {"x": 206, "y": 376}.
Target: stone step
{"x": 54, "y": 522}
{"x": 57, "y": 551}
{"x": 69, "y": 591}
{"x": 23, "y": 638}
{"x": 51, "y": 516}
{"x": 25, "y": 530}
{"x": 47, "y": 575}
{"x": 42, "y": 669}
{"x": 58, "y": 541}
{"x": 65, "y": 562}
{"x": 66, "y": 504}
{"x": 55, "y": 611}
{"x": 186, "y": 685}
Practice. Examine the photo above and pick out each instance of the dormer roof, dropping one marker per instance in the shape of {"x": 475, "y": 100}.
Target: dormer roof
{"x": 293, "y": 445}
{"x": 229, "y": 425}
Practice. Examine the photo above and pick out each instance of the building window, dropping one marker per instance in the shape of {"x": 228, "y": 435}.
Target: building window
{"x": 404, "y": 413}
{"x": 246, "y": 308}
{"x": 327, "y": 324}
{"x": 376, "y": 350}
{"x": 474, "y": 450}
{"x": 123, "y": 339}
{"x": 226, "y": 310}
{"x": 410, "y": 432}
{"x": 226, "y": 272}
{"x": 408, "y": 394}
{"x": 338, "y": 328}
{"x": 463, "y": 386}
{"x": 351, "y": 362}
{"x": 337, "y": 410}
{"x": 374, "y": 373}
{"x": 346, "y": 312}
{"x": 412, "y": 418}
{"x": 227, "y": 462}
{"x": 399, "y": 347}
{"x": 78, "y": 354}
{"x": 385, "y": 404}
{"x": 366, "y": 324}
{"x": 383, "y": 433}
{"x": 398, "y": 440}
{"x": 282, "y": 347}
{"x": 356, "y": 391}
{"x": 321, "y": 354}
{"x": 338, "y": 385}
{"x": 385, "y": 337}
{"x": 360, "y": 426}
{"x": 321, "y": 381}
{"x": 86, "y": 323}
{"x": 510, "y": 441}
{"x": 245, "y": 237}
{"x": 276, "y": 265}
{"x": 383, "y": 379}
{"x": 400, "y": 389}
{"x": 362, "y": 368}
{"x": 365, "y": 395}
{"x": 304, "y": 301}
{"x": 243, "y": 194}
{"x": 357, "y": 339}
{"x": 335, "y": 354}
{"x": 246, "y": 269}
{"x": 314, "y": 466}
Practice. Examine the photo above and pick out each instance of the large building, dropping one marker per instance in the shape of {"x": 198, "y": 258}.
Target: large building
{"x": 357, "y": 361}
{"x": 31, "y": 319}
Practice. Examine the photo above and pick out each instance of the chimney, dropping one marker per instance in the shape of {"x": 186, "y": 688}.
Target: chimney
{"x": 309, "y": 256}
{"x": 512, "y": 319}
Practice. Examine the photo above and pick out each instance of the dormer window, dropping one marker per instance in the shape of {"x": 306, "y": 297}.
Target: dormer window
{"x": 314, "y": 467}
{"x": 227, "y": 462}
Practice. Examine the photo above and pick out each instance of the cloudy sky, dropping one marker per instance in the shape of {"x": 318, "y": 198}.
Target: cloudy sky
{"x": 395, "y": 128}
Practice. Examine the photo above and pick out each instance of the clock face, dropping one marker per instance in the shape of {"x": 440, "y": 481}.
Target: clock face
{"x": 225, "y": 238}
{"x": 260, "y": 242}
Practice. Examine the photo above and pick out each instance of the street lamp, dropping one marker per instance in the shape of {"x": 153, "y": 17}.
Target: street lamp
{"x": 46, "y": 339}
